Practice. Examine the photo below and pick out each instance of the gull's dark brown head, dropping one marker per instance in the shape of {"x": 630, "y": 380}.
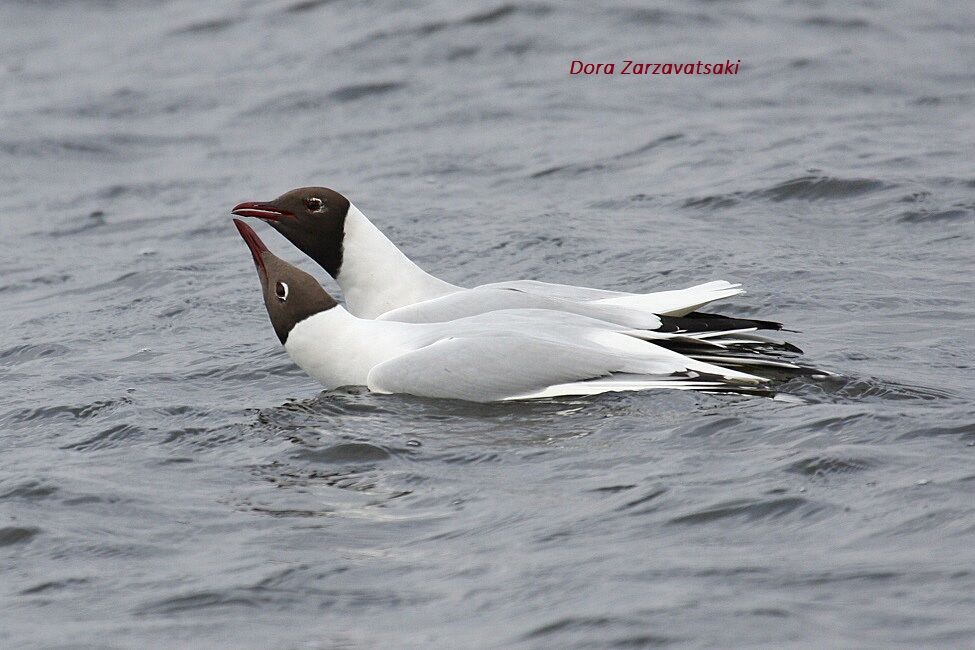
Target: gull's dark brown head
{"x": 311, "y": 218}
{"x": 290, "y": 294}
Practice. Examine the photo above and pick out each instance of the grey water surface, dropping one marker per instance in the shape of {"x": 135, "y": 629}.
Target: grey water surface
{"x": 169, "y": 479}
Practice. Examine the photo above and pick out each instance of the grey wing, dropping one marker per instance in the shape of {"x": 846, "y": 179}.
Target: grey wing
{"x": 560, "y": 291}
{"x": 489, "y": 298}
{"x": 675, "y": 302}
{"x": 489, "y": 368}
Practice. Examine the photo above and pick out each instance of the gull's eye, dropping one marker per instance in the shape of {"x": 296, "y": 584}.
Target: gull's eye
{"x": 281, "y": 291}
{"x": 314, "y": 204}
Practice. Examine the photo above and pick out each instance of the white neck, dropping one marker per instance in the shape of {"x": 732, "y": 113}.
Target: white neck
{"x": 375, "y": 276}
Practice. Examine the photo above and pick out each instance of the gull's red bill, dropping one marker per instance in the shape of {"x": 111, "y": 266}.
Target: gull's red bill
{"x": 254, "y": 243}
{"x": 266, "y": 211}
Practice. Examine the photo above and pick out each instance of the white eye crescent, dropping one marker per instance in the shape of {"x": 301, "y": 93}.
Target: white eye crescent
{"x": 314, "y": 204}
{"x": 281, "y": 291}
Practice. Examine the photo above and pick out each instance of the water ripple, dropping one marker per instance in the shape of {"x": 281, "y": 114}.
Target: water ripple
{"x": 753, "y": 510}
{"x": 158, "y": 443}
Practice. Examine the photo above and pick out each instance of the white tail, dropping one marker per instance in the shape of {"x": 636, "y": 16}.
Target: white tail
{"x": 679, "y": 302}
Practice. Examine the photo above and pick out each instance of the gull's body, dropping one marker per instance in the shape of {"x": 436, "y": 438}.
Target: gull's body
{"x": 499, "y": 355}
{"x": 379, "y": 281}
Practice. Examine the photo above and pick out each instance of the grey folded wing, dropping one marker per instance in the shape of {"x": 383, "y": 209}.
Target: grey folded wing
{"x": 471, "y": 302}
{"x": 489, "y": 368}
{"x": 560, "y": 291}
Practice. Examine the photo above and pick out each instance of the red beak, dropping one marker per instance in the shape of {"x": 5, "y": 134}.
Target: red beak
{"x": 254, "y": 243}
{"x": 266, "y": 211}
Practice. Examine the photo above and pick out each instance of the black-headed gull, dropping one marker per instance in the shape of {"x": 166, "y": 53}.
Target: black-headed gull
{"x": 380, "y": 282}
{"x": 506, "y": 354}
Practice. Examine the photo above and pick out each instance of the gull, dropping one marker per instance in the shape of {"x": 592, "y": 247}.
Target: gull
{"x": 379, "y": 282}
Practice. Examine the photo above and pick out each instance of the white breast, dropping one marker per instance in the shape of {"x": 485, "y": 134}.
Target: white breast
{"x": 338, "y": 349}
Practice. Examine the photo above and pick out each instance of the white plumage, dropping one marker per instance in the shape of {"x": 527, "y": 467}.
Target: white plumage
{"x": 500, "y": 355}
{"x": 379, "y": 281}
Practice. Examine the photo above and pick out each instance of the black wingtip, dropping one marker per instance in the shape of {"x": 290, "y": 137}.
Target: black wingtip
{"x": 701, "y": 322}
{"x": 723, "y": 322}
